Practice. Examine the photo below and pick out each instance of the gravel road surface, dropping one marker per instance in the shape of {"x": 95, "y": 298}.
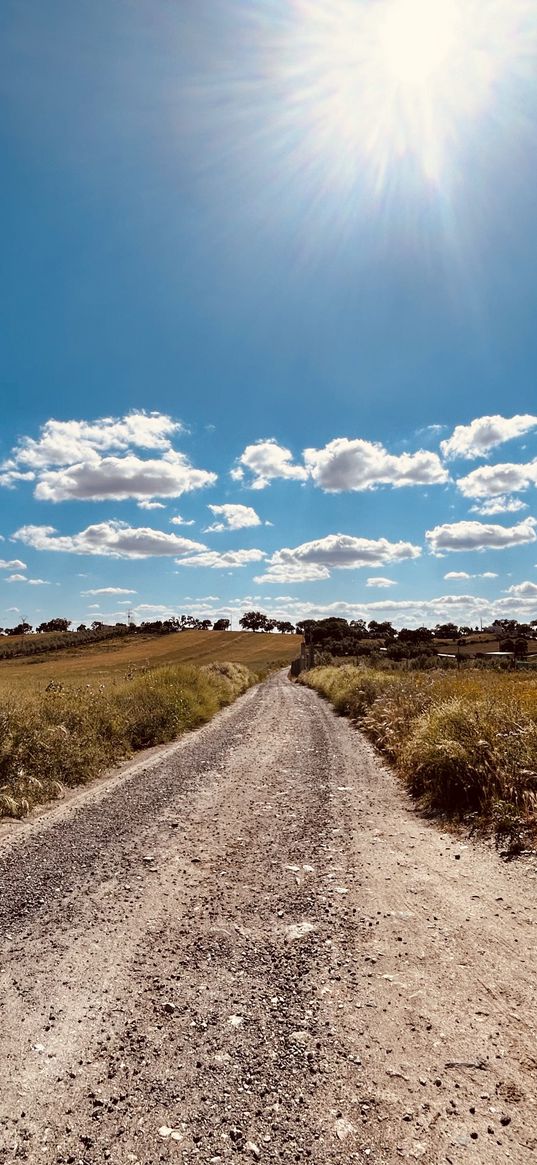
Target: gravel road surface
{"x": 248, "y": 946}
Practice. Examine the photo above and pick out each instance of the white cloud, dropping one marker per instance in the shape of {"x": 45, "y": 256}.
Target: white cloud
{"x": 68, "y": 442}
{"x": 499, "y": 505}
{"x": 121, "y": 478}
{"x": 109, "y": 591}
{"x": 497, "y": 480}
{"x": 9, "y": 478}
{"x": 266, "y": 461}
{"x": 360, "y": 465}
{"x": 151, "y": 505}
{"x": 473, "y": 535}
{"x": 293, "y": 572}
{"x": 179, "y": 521}
{"x": 12, "y": 564}
{"x": 111, "y": 539}
{"x": 31, "y": 582}
{"x": 523, "y": 590}
{"x": 336, "y": 551}
{"x": 380, "y": 582}
{"x": 234, "y": 517}
{"x": 403, "y": 612}
{"x": 485, "y": 433}
{"x": 463, "y": 574}
{"x": 95, "y": 460}
{"x": 220, "y": 560}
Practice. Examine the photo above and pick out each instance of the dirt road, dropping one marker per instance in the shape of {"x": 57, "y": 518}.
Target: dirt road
{"x": 249, "y": 947}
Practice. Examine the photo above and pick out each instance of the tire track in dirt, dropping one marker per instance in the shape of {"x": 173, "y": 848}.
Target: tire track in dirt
{"x": 249, "y": 947}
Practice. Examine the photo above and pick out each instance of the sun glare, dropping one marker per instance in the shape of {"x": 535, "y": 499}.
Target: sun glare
{"x": 417, "y": 39}
{"x": 367, "y": 85}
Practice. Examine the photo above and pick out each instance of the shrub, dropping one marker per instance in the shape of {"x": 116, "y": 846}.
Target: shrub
{"x": 465, "y": 743}
{"x": 67, "y": 736}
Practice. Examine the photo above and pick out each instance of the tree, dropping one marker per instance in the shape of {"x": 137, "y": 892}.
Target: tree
{"x": 96, "y": 625}
{"x": 415, "y": 635}
{"x": 255, "y": 621}
{"x": 381, "y": 630}
{"x": 20, "y": 629}
{"x": 521, "y": 648}
{"x": 446, "y": 631}
{"x": 284, "y": 627}
{"x": 82, "y": 627}
{"x": 222, "y": 625}
{"x": 55, "y": 625}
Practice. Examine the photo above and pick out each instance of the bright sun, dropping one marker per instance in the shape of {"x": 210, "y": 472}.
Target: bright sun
{"x": 367, "y": 84}
{"x": 417, "y": 38}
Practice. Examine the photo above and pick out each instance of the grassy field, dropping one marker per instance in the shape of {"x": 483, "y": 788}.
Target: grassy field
{"x": 465, "y": 743}
{"x": 115, "y": 660}
{"x": 66, "y": 736}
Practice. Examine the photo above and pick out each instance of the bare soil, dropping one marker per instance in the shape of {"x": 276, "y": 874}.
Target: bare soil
{"x": 248, "y": 946}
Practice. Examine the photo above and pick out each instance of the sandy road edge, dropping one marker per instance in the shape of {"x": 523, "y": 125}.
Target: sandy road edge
{"x": 147, "y": 759}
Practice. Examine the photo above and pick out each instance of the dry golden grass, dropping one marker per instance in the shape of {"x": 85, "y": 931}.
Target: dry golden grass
{"x": 464, "y": 742}
{"x": 68, "y": 735}
{"x": 116, "y": 659}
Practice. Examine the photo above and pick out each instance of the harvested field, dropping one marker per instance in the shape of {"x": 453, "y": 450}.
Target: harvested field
{"x": 112, "y": 660}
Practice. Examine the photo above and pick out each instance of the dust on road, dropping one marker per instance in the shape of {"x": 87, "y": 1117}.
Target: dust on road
{"x": 248, "y": 947}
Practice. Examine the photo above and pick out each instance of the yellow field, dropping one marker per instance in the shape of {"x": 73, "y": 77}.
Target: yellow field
{"x": 113, "y": 660}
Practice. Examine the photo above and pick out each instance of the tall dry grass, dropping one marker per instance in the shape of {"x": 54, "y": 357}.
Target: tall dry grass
{"x": 465, "y": 743}
{"x": 66, "y": 737}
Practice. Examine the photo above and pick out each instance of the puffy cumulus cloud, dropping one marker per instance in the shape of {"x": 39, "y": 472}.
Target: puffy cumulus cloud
{"x": 12, "y": 564}
{"x": 10, "y": 478}
{"x": 293, "y": 572}
{"x": 381, "y": 582}
{"x": 264, "y": 462}
{"x": 485, "y": 433}
{"x": 222, "y": 560}
{"x": 345, "y": 465}
{"x": 523, "y": 590}
{"x": 233, "y": 517}
{"x": 121, "y": 478}
{"x": 336, "y": 551}
{"x": 68, "y": 442}
{"x": 179, "y": 521}
{"x": 31, "y": 582}
{"x": 145, "y": 505}
{"x": 498, "y": 480}
{"x": 109, "y": 591}
{"x": 96, "y": 460}
{"x": 111, "y": 539}
{"x": 473, "y": 535}
{"x": 463, "y": 574}
{"x": 499, "y": 505}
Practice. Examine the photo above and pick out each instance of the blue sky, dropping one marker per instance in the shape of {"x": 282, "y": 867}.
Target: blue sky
{"x": 276, "y": 258}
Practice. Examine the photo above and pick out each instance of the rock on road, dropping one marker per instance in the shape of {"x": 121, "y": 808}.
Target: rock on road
{"x": 248, "y": 946}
